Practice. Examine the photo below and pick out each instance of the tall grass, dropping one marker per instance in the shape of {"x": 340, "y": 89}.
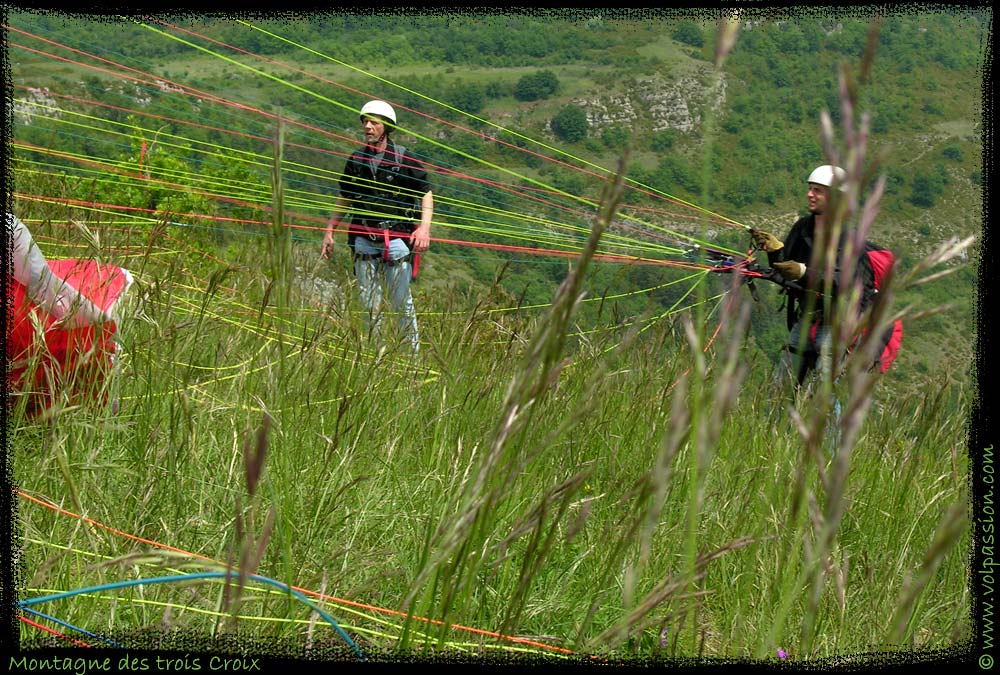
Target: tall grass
{"x": 542, "y": 491}
{"x": 625, "y": 495}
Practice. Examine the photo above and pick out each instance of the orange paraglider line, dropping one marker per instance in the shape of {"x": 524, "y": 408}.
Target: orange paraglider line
{"x": 323, "y": 596}
{"x": 39, "y": 626}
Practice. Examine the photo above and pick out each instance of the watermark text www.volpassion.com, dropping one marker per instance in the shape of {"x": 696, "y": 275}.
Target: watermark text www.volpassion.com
{"x": 107, "y": 664}
{"x": 985, "y": 575}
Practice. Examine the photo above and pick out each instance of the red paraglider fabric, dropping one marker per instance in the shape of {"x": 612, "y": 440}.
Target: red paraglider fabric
{"x": 45, "y": 360}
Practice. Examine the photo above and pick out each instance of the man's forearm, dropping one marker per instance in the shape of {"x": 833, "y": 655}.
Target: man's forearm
{"x": 339, "y": 211}
{"x": 331, "y": 224}
{"x": 427, "y": 210}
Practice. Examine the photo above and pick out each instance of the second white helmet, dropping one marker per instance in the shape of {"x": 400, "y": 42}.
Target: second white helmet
{"x": 826, "y": 175}
{"x": 380, "y": 108}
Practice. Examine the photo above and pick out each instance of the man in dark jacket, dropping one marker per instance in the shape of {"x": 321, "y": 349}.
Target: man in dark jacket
{"x": 388, "y": 194}
{"x": 809, "y": 336}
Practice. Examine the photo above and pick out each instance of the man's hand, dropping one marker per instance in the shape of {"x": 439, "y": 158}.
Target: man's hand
{"x": 766, "y": 241}
{"x": 77, "y": 313}
{"x": 327, "y": 249}
{"x": 420, "y": 238}
{"x": 791, "y": 270}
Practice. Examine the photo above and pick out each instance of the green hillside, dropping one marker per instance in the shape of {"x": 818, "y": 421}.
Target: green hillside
{"x": 743, "y": 156}
{"x": 591, "y": 457}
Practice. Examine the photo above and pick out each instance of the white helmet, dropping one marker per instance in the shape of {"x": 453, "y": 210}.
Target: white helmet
{"x": 380, "y": 108}
{"x": 826, "y": 175}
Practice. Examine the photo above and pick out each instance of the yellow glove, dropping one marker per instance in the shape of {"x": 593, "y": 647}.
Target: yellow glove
{"x": 790, "y": 269}
{"x": 766, "y": 241}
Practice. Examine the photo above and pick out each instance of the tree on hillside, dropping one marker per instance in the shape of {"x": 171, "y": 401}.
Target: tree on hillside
{"x": 536, "y": 86}
{"x": 790, "y": 40}
{"x": 953, "y": 152}
{"x": 468, "y": 97}
{"x": 570, "y": 124}
{"x": 689, "y": 33}
{"x": 673, "y": 174}
{"x": 663, "y": 140}
{"x": 927, "y": 186}
{"x": 615, "y": 137}
{"x": 496, "y": 89}
{"x": 570, "y": 182}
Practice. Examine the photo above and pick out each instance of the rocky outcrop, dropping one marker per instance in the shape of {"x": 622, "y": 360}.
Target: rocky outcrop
{"x": 38, "y": 102}
{"x": 662, "y": 104}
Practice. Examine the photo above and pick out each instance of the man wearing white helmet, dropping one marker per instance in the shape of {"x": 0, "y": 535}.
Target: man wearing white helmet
{"x": 790, "y": 259}
{"x": 387, "y": 192}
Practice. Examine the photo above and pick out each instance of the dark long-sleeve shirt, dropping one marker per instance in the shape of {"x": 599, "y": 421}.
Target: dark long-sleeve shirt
{"x": 799, "y": 244}
{"x": 389, "y": 190}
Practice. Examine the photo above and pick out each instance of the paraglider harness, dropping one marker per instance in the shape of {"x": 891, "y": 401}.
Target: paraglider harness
{"x": 875, "y": 258}
{"x": 386, "y": 230}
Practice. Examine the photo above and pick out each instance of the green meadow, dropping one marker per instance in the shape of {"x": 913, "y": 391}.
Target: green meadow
{"x": 555, "y": 476}
{"x": 623, "y": 492}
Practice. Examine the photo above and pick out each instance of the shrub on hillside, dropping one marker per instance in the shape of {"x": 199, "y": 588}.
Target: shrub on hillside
{"x": 536, "y": 86}
{"x": 689, "y": 33}
{"x": 570, "y": 124}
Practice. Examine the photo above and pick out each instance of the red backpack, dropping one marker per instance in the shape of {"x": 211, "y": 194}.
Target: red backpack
{"x": 881, "y": 260}
{"x": 878, "y": 261}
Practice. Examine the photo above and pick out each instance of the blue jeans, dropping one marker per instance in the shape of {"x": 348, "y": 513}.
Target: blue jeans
{"x": 370, "y": 272}
{"x": 803, "y": 357}
{"x": 804, "y": 361}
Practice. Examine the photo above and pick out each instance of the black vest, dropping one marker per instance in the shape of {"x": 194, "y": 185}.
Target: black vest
{"x": 386, "y": 197}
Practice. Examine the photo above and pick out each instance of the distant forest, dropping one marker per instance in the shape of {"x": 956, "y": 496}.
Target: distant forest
{"x": 781, "y": 74}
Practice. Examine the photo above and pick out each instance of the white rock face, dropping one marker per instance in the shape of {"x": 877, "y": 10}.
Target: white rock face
{"x": 38, "y": 102}
{"x": 662, "y": 104}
